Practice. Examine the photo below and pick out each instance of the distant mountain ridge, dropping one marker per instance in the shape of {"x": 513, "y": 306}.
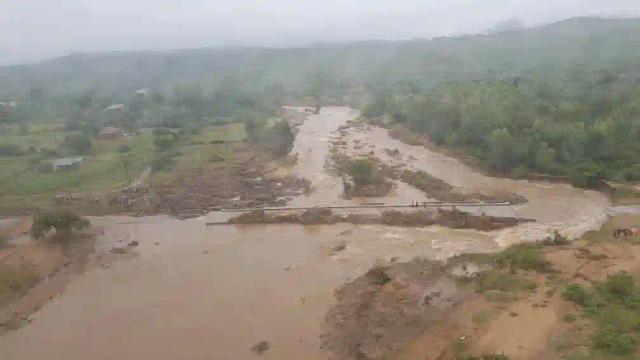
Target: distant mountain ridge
{"x": 608, "y": 44}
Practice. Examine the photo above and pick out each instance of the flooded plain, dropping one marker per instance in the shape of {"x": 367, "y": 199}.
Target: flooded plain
{"x": 191, "y": 291}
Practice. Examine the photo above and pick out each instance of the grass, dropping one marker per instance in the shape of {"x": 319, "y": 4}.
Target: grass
{"x": 15, "y": 281}
{"x": 625, "y": 194}
{"x": 620, "y": 221}
{"x": 101, "y": 170}
{"x": 203, "y": 149}
{"x": 483, "y": 317}
{"x": 221, "y": 134}
{"x": 524, "y": 257}
{"x": 614, "y": 307}
{"x": 37, "y": 138}
{"x": 496, "y": 280}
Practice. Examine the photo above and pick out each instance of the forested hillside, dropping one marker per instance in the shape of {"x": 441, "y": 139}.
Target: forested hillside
{"x": 580, "y": 44}
{"x": 562, "y": 98}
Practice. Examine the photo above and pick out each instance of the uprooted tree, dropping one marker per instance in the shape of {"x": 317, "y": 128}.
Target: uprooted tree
{"x": 64, "y": 222}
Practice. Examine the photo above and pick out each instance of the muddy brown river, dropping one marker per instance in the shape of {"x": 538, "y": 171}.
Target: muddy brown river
{"x": 195, "y": 292}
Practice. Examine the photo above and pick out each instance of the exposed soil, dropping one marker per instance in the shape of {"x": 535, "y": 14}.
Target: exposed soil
{"x": 450, "y": 218}
{"x": 427, "y": 310}
{"x": 52, "y": 264}
{"x": 379, "y": 312}
{"x": 246, "y": 181}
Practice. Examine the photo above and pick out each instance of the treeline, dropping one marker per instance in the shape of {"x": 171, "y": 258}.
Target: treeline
{"x": 586, "y": 129}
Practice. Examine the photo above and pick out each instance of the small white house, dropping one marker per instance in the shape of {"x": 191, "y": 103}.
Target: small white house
{"x": 115, "y": 107}
{"x": 66, "y": 163}
{"x": 143, "y": 92}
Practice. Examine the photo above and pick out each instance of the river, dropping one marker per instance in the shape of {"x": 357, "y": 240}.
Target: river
{"x": 189, "y": 291}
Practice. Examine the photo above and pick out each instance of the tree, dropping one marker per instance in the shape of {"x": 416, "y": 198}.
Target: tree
{"x": 127, "y": 160}
{"x": 250, "y": 127}
{"x": 64, "y": 222}
{"x": 501, "y": 147}
{"x": 78, "y": 143}
{"x": 361, "y": 170}
{"x": 278, "y": 138}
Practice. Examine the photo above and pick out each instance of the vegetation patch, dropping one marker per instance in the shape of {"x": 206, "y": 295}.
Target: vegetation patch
{"x": 15, "y": 280}
{"x": 614, "y": 307}
{"x": 524, "y": 257}
{"x": 64, "y": 222}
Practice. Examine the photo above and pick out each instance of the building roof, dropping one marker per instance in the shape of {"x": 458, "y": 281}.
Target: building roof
{"x": 115, "y": 107}
{"x": 67, "y": 161}
{"x": 110, "y": 130}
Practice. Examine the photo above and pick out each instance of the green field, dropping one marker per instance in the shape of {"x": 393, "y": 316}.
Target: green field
{"x": 102, "y": 168}
{"x": 221, "y": 133}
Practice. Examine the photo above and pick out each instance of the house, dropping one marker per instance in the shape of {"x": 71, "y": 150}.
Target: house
{"x": 110, "y": 132}
{"x": 66, "y": 163}
{"x": 142, "y": 92}
{"x": 115, "y": 107}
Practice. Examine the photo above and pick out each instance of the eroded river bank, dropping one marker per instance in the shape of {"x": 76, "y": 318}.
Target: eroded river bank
{"x": 195, "y": 292}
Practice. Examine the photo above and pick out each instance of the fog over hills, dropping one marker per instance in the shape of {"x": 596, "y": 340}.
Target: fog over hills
{"x": 595, "y": 43}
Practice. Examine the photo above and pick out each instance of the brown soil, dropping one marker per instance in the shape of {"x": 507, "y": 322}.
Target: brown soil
{"x": 52, "y": 264}
{"x": 401, "y": 318}
{"x": 449, "y": 218}
{"x": 246, "y": 181}
{"x": 379, "y": 312}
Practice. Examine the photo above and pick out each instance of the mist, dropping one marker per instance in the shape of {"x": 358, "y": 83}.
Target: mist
{"x": 35, "y": 30}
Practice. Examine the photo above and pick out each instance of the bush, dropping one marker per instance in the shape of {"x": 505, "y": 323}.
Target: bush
{"x": 524, "y": 257}
{"x": 619, "y": 286}
{"x": 164, "y": 160}
{"x": 9, "y": 150}
{"x": 614, "y": 342}
{"x": 569, "y": 318}
{"x": 64, "y": 222}
{"x": 576, "y": 294}
{"x": 502, "y": 281}
{"x": 361, "y": 170}
{"x": 124, "y": 149}
{"x": 77, "y": 143}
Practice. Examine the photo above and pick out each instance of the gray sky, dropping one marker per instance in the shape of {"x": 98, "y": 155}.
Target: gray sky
{"x": 33, "y": 30}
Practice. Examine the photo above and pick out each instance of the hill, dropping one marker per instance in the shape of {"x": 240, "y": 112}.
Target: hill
{"x": 574, "y": 45}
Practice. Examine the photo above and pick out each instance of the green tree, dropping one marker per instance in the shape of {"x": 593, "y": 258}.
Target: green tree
{"x": 501, "y": 147}
{"x": 64, "y": 222}
{"x": 78, "y": 143}
{"x": 361, "y": 170}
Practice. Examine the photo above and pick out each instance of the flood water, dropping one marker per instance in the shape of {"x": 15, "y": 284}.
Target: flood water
{"x": 191, "y": 291}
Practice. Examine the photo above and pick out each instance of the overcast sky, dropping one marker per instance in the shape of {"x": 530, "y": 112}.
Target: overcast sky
{"x": 33, "y": 30}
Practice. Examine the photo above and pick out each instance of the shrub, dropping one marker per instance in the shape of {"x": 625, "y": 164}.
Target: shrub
{"x": 64, "y": 222}
{"x": 124, "y": 149}
{"x": 569, "y": 317}
{"x": 576, "y": 294}
{"x": 9, "y": 150}
{"x": 77, "y": 143}
{"x": 525, "y": 257}
{"x": 502, "y": 281}
{"x": 610, "y": 340}
{"x": 619, "y": 286}
{"x": 361, "y": 170}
